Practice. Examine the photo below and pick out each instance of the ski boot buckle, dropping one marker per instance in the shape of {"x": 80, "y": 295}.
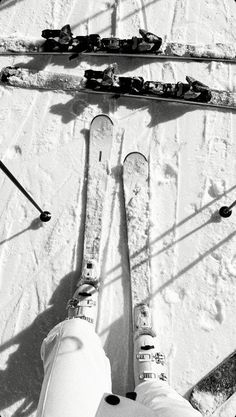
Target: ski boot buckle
{"x": 75, "y": 303}
{"x": 145, "y": 357}
{"x": 149, "y": 357}
{"x": 147, "y": 375}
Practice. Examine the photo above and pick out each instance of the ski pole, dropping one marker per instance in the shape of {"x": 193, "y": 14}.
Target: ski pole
{"x": 45, "y": 216}
{"x": 226, "y": 211}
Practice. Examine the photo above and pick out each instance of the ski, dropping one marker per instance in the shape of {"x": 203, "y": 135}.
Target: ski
{"x": 216, "y": 387}
{"x": 136, "y": 197}
{"x": 160, "y": 57}
{"x": 98, "y": 82}
{"x": 25, "y": 78}
{"x": 148, "y": 45}
{"x": 100, "y": 146}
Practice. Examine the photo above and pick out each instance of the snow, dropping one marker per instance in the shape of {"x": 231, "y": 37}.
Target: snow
{"x": 192, "y": 151}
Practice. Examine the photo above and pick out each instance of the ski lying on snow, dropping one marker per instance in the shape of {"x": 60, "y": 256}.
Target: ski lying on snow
{"x": 162, "y": 56}
{"x": 216, "y": 387}
{"x": 25, "y": 78}
{"x": 136, "y": 196}
{"x": 100, "y": 145}
{"x": 220, "y": 99}
{"x": 170, "y": 51}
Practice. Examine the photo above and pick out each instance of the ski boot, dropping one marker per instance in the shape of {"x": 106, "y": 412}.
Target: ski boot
{"x": 149, "y": 364}
{"x": 84, "y": 302}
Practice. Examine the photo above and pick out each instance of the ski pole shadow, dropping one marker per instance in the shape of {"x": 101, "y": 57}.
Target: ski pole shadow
{"x": 195, "y": 262}
{"x": 5, "y": 4}
{"x": 185, "y": 269}
{"x": 213, "y": 218}
{"x": 23, "y": 375}
{"x": 35, "y": 225}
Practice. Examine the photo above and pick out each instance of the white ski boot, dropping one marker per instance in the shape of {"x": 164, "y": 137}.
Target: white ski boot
{"x": 149, "y": 364}
{"x": 84, "y": 303}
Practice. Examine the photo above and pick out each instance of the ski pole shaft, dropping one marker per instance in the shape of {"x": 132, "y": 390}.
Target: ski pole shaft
{"x": 45, "y": 215}
{"x": 232, "y": 205}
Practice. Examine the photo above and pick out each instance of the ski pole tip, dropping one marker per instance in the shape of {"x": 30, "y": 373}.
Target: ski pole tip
{"x": 45, "y": 216}
{"x": 225, "y": 212}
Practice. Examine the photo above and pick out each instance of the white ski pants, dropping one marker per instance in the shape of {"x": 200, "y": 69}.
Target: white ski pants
{"x": 77, "y": 380}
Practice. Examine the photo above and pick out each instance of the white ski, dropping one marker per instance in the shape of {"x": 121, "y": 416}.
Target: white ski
{"x": 100, "y": 146}
{"x": 13, "y": 45}
{"x": 136, "y": 194}
{"x": 163, "y": 56}
{"x": 25, "y": 78}
{"x": 45, "y": 80}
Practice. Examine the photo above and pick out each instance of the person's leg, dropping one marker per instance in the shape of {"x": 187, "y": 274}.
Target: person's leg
{"x": 76, "y": 370}
{"x": 152, "y": 387}
{"x": 163, "y": 399}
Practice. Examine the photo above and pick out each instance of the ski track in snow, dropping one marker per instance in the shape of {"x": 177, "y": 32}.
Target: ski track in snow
{"x": 142, "y": 15}
{"x": 179, "y": 14}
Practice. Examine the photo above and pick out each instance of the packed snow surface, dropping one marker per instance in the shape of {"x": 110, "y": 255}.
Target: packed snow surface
{"x": 191, "y": 152}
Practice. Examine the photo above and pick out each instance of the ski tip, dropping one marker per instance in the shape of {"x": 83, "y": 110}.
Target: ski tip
{"x": 103, "y": 116}
{"x": 132, "y": 155}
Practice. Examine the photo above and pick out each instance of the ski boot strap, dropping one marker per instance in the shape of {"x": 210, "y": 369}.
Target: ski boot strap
{"x": 151, "y": 357}
{"x": 145, "y": 376}
{"x": 74, "y": 305}
{"x": 159, "y": 358}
